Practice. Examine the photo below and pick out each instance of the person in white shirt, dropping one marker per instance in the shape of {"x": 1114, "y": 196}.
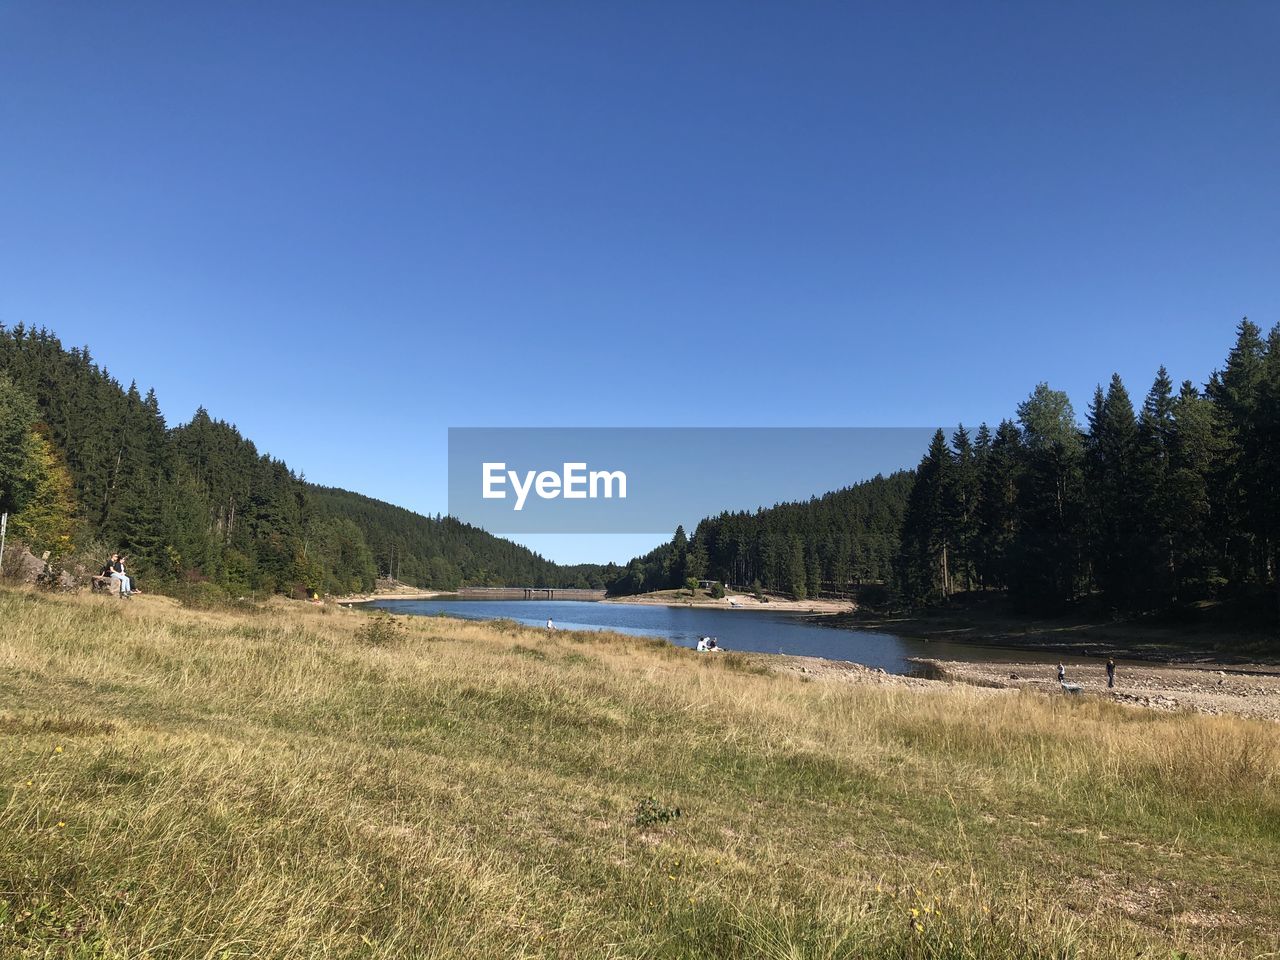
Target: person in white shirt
{"x": 702, "y": 644}
{"x": 551, "y": 624}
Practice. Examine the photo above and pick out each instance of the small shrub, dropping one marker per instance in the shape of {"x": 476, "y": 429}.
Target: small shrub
{"x": 203, "y": 595}
{"x": 382, "y": 630}
{"x": 740, "y": 663}
{"x": 650, "y": 813}
{"x": 507, "y": 625}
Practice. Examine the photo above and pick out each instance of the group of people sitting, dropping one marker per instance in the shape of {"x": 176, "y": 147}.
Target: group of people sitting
{"x": 708, "y": 644}
{"x": 114, "y": 570}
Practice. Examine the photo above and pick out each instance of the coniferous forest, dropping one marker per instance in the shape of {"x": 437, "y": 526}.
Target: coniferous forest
{"x": 825, "y": 544}
{"x": 1141, "y": 508}
{"x": 1148, "y": 505}
{"x": 88, "y": 467}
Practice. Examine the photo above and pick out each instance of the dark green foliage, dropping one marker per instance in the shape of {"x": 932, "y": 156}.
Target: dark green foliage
{"x": 199, "y": 504}
{"x": 442, "y": 553}
{"x": 650, "y": 813}
{"x": 1113, "y": 519}
{"x": 929, "y": 525}
{"x": 382, "y": 630}
{"x": 999, "y": 475}
{"x": 1176, "y": 503}
{"x": 17, "y": 447}
{"x": 828, "y": 544}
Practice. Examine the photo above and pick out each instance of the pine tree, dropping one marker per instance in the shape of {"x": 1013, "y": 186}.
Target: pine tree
{"x": 17, "y": 447}
{"x": 1153, "y": 497}
{"x": 1265, "y": 513}
{"x": 923, "y": 567}
{"x": 1111, "y": 468}
{"x": 1234, "y": 392}
{"x": 998, "y": 506}
{"x": 794, "y": 580}
{"x": 962, "y": 508}
{"x": 1191, "y": 468}
{"x": 1046, "y": 561}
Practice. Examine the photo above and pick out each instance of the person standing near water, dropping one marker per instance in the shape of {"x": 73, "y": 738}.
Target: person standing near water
{"x": 1111, "y": 673}
{"x": 551, "y": 624}
{"x": 1062, "y": 673}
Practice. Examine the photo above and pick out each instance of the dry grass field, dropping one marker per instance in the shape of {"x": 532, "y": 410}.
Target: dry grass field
{"x": 288, "y": 781}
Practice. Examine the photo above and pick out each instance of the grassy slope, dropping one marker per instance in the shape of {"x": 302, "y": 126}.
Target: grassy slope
{"x": 196, "y": 784}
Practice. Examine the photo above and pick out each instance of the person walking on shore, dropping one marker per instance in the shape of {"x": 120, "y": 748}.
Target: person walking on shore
{"x": 1062, "y": 673}
{"x": 1111, "y": 673}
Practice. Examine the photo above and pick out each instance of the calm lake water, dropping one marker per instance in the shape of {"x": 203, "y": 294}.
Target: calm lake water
{"x": 750, "y": 630}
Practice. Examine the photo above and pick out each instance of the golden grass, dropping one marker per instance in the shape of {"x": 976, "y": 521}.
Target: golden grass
{"x": 289, "y": 782}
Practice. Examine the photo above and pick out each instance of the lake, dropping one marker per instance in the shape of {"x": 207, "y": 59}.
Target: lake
{"x": 756, "y": 631}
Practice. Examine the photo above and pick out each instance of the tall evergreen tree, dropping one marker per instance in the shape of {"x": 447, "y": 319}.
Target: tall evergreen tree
{"x": 999, "y": 480}
{"x": 962, "y": 510}
{"x": 17, "y": 447}
{"x": 1236, "y": 486}
{"x": 1046, "y": 566}
{"x": 1153, "y": 495}
{"x": 1111, "y": 473}
{"x": 924, "y": 564}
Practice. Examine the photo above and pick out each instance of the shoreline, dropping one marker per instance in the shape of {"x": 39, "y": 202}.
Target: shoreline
{"x": 738, "y": 601}
{"x": 1245, "y": 689}
{"x": 1090, "y": 641}
{"x": 1165, "y": 688}
{"x": 371, "y": 597}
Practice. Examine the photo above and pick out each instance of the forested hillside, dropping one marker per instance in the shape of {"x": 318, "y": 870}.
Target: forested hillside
{"x": 826, "y": 544}
{"x": 88, "y": 467}
{"x": 1175, "y": 502}
{"x": 1139, "y": 510}
{"x": 443, "y": 552}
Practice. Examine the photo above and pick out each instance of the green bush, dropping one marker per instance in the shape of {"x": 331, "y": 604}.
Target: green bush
{"x": 650, "y": 813}
{"x": 382, "y": 630}
{"x": 204, "y": 595}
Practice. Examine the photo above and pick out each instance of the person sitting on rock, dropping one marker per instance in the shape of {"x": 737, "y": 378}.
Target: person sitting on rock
{"x": 117, "y": 573}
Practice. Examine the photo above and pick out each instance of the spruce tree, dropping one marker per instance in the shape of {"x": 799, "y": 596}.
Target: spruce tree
{"x": 1111, "y": 473}
{"x": 1046, "y": 562}
{"x": 998, "y": 506}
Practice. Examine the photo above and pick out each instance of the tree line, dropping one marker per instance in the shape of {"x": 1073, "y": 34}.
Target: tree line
{"x": 828, "y": 544}
{"x": 1143, "y": 509}
{"x": 88, "y": 467}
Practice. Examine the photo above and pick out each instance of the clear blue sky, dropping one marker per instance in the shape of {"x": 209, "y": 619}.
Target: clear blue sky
{"x": 347, "y": 227}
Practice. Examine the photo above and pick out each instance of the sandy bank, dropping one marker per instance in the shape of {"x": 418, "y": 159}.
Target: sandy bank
{"x": 370, "y": 597}
{"x": 1246, "y": 691}
{"x": 736, "y": 601}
